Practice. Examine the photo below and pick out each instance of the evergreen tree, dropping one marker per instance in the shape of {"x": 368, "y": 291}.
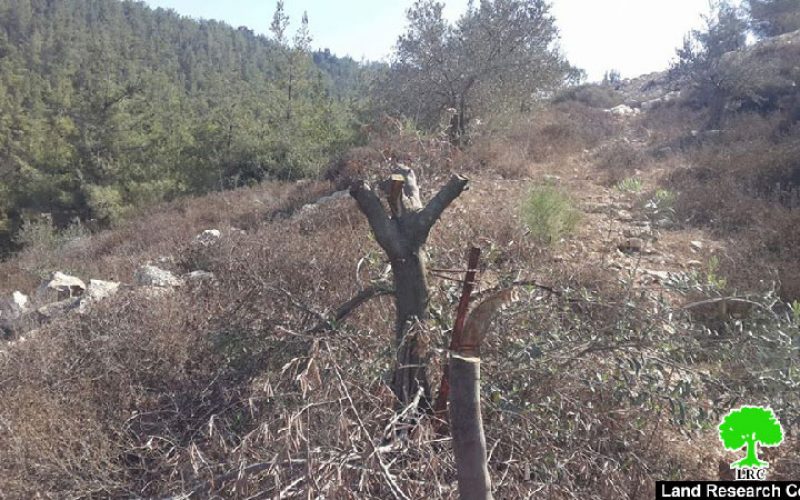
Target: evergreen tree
{"x": 107, "y": 104}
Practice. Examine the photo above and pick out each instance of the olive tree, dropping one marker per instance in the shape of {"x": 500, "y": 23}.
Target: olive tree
{"x": 500, "y": 54}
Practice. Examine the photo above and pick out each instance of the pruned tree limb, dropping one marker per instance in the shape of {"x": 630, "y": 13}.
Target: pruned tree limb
{"x": 385, "y": 232}
{"x": 469, "y": 440}
{"x": 431, "y": 213}
{"x": 473, "y": 259}
{"x": 402, "y": 237}
{"x": 395, "y": 196}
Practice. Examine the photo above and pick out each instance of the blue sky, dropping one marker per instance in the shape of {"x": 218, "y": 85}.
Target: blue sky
{"x": 633, "y": 36}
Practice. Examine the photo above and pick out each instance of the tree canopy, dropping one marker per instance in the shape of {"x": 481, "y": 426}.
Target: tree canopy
{"x": 698, "y": 66}
{"x": 500, "y": 54}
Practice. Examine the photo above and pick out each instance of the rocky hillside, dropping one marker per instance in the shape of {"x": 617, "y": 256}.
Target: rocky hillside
{"x": 200, "y": 348}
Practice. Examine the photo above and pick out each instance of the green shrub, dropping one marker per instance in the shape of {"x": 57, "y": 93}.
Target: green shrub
{"x": 630, "y": 185}
{"x": 660, "y": 207}
{"x": 549, "y": 214}
{"x": 713, "y": 278}
{"x": 41, "y": 233}
{"x": 106, "y": 202}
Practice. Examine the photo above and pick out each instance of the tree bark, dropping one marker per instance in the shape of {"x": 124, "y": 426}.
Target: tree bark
{"x": 469, "y": 442}
{"x": 466, "y": 422}
{"x": 440, "y": 407}
{"x": 411, "y": 298}
{"x": 402, "y": 236}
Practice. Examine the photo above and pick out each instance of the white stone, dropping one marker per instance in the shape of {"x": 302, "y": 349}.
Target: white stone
{"x": 97, "y": 291}
{"x": 59, "y": 287}
{"x": 149, "y": 275}
{"x": 338, "y": 195}
{"x": 660, "y": 275}
{"x": 20, "y": 300}
{"x": 623, "y": 110}
{"x": 199, "y": 276}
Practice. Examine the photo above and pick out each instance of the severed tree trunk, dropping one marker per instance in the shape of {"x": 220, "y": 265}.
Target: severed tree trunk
{"x": 402, "y": 235}
{"x": 466, "y": 424}
{"x": 469, "y": 442}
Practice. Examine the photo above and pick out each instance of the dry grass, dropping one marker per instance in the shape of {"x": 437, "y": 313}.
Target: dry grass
{"x": 218, "y": 390}
{"x": 745, "y": 185}
{"x": 549, "y": 135}
{"x": 156, "y": 232}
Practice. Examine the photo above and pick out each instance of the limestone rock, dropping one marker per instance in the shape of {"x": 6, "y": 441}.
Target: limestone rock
{"x": 20, "y": 300}
{"x": 149, "y": 275}
{"x": 11, "y": 309}
{"x": 623, "y": 215}
{"x": 200, "y": 276}
{"x": 97, "y": 291}
{"x": 623, "y": 110}
{"x": 60, "y": 287}
{"x": 661, "y": 276}
{"x": 338, "y": 195}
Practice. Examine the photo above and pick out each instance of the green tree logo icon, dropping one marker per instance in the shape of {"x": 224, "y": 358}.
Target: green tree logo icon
{"x": 748, "y": 427}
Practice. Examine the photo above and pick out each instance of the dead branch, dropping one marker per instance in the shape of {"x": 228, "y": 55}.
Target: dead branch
{"x": 394, "y": 488}
{"x": 350, "y": 306}
{"x": 723, "y": 302}
{"x": 522, "y": 283}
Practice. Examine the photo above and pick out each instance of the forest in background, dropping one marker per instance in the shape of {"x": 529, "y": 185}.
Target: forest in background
{"x": 108, "y": 105}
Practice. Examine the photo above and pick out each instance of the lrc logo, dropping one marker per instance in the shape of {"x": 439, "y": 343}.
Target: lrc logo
{"x": 751, "y": 474}
{"x": 748, "y": 427}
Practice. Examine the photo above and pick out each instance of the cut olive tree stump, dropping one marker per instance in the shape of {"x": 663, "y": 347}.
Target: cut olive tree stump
{"x": 466, "y": 423}
{"x": 402, "y": 234}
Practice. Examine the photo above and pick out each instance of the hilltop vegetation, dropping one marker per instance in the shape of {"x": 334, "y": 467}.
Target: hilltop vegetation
{"x": 109, "y": 105}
